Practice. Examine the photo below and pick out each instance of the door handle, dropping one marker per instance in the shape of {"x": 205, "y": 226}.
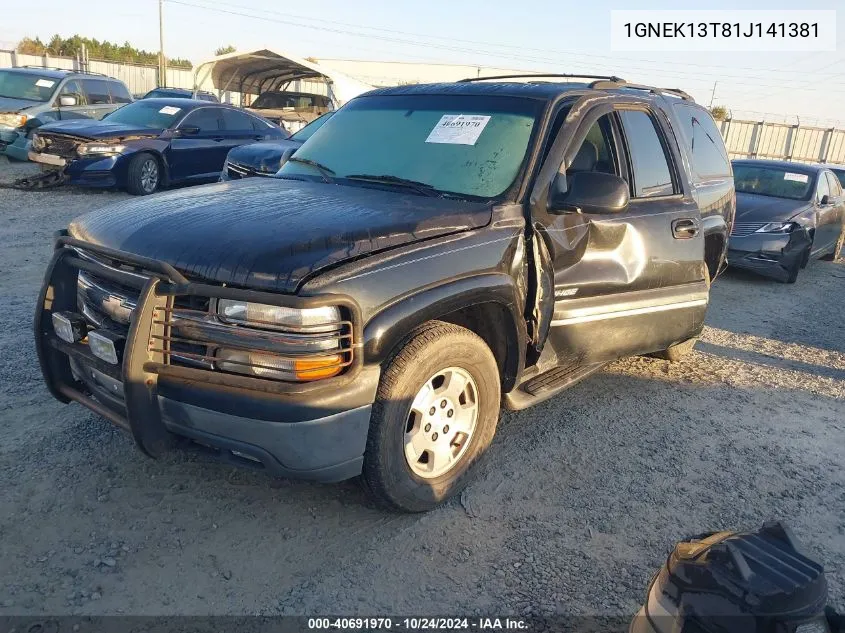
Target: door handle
{"x": 217, "y": 138}
{"x": 684, "y": 228}
{"x": 258, "y": 137}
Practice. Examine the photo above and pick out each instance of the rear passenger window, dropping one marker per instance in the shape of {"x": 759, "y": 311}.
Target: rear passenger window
{"x": 97, "y": 91}
{"x": 237, "y": 121}
{"x": 119, "y": 93}
{"x": 704, "y": 142}
{"x": 652, "y": 176}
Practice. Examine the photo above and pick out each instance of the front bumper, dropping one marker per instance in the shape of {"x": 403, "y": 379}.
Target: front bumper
{"x": 92, "y": 171}
{"x": 314, "y": 430}
{"x": 769, "y": 254}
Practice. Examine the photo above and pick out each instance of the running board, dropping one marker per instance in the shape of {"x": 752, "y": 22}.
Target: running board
{"x": 547, "y": 385}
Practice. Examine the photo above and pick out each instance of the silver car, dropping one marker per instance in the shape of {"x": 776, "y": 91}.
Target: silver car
{"x": 32, "y": 96}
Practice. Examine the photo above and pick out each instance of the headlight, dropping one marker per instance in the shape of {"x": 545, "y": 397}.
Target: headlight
{"x": 13, "y": 119}
{"x": 38, "y": 143}
{"x": 777, "y": 227}
{"x": 99, "y": 148}
{"x": 262, "y": 315}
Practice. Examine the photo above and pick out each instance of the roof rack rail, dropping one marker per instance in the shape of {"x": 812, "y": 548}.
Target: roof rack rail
{"x": 67, "y": 70}
{"x": 608, "y": 85}
{"x": 527, "y": 75}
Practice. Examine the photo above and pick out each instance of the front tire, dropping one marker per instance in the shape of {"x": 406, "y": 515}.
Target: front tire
{"x": 435, "y": 414}
{"x": 143, "y": 175}
{"x": 838, "y": 248}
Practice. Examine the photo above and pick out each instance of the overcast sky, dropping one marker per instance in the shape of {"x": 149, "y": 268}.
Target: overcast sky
{"x": 540, "y": 35}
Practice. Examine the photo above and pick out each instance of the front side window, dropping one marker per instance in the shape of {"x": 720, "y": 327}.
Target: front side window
{"x": 833, "y": 183}
{"x": 146, "y": 114}
{"x": 650, "y": 166}
{"x": 28, "y": 86}
{"x": 206, "y": 119}
{"x": 822, "y": 189}
{"x": 840, "y": 176}
{"x": 73, "y": 89}
{"x": 595, "y": 153}
{"x": 764, "y": 180}
{"x": 459, "y": 144}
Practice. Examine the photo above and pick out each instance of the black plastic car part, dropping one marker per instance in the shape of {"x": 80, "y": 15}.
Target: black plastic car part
{"x": 728, "y": 582}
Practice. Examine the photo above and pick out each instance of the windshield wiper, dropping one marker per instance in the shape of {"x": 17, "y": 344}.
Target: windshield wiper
{"x": 420, "y": 187}
{"x": 325, "y": 172}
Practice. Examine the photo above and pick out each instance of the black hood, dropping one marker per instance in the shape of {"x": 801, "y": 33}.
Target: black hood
{"x": 752, "y": 207}
{"x": 271, "y": 233}
{"x": 93, "y": 129}
{"x": 264, "y": 156}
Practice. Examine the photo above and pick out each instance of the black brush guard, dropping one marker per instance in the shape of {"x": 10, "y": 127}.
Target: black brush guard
{"x": 145, "y": 359}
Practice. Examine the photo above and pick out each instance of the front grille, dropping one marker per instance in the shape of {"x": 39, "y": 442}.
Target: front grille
{"x": 192, "y": 334}
{"x": 63, "y": 146}
{"x": 741, "y": 229}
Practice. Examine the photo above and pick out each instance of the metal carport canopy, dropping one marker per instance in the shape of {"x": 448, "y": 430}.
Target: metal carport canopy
{"x": 256, "y": 71}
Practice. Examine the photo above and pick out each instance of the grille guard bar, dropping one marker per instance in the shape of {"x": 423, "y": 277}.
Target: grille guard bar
{"x": 143, "y": 362}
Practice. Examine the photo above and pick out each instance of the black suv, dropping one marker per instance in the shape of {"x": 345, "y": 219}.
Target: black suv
{"x": 431, "y": 252}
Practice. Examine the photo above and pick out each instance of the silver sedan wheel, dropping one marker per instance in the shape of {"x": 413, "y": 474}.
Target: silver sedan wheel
{"x": 441, "y": 422}
{"x": 149, "y": 175}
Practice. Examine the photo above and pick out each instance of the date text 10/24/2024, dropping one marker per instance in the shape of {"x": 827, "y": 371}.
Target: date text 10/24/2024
{"x": 418, "y": 624}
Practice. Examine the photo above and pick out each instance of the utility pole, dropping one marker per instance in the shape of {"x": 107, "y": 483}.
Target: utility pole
{"x": 712, "y": 94}
{"x": 162, "y": 60}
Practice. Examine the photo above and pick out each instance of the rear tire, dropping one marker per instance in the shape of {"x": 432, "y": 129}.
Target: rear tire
{"x": 143, "y": 175}
{"x": 403, "y": 462}
{"x": 677, "y": 352}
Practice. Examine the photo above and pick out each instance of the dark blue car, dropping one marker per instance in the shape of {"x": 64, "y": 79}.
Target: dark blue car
{"x": 150, "y": 143}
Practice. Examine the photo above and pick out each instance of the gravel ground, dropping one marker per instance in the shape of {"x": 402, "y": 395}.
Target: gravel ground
{"x": 577, "y": 502}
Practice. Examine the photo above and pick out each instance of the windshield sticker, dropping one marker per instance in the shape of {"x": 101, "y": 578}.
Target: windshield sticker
{"x": 458, "y": 129}
{"x": 45, "y": 83}
{"x": 169, "y": 110}
{"x": 796, "y": 177}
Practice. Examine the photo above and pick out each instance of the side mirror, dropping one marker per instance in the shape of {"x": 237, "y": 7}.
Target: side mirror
{"x": 589, "y": 192}
{"x": 826, "y": 200}
{"x": 66, "y": 101}
{"x": 188, "y": 130}
{"x": 290, "y": 151}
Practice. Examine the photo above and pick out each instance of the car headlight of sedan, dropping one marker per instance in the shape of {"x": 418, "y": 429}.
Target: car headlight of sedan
{"x": 13, "y": 119}
{"x": 308, "y": 344}
{"x": 87, "y": 149}
{"x": 777, "y": 227}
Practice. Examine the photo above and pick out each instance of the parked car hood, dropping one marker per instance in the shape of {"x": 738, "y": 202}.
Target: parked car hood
{"x": 752, "y": 207}
{"x": 9, "y": 104}
{"x": 271, "y": 233}
{"x": 91, "y": 128}
{"x": 264, "y": 156}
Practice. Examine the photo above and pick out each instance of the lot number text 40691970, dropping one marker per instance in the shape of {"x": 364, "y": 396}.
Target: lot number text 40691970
{"x": 721, "y": 29}
{"x": 418, "y": 624}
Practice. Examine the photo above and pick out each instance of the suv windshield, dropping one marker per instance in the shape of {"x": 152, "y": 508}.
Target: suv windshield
{"x": 29, "y": 86}
{"x": 772, "y": 181}
{"x": 466, "y": 145}
{"x": 142, "y": 113}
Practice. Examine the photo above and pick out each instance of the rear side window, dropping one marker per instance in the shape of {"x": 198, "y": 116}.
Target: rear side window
{"x": 237, "y": 121}
{"x": 650, "y": 166}
{"x": 119, "y": 93}
{"x": 833, "y": 183}
{"x": 97, "y": 91}
{"x": 703, "y": 141}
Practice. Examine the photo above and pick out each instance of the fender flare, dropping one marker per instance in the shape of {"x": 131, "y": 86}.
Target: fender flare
{"x": 387, "y": 330}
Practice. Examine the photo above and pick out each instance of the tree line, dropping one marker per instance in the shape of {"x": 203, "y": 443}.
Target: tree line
{"x": 58, "y": 46}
